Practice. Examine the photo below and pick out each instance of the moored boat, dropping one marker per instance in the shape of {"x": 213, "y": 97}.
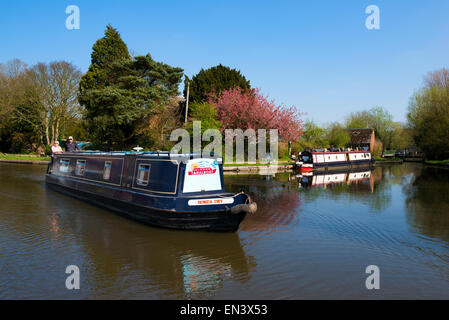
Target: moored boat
{"x": 160, "y": 189}
{"x": 310, "y": 160}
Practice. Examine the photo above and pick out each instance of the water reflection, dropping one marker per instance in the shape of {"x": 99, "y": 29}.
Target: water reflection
{"x": 366, "y": 185}
{"x": 427, "y": 202}
{"x": 278, "y": 201}
{"x": 186, "y": 264}
{"x": 360, "y": 180}
{"x": 43, "y": 231}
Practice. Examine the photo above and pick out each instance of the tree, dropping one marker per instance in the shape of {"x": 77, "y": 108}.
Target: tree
{"x": 402, "y": 137}
{"x": 313, "y": 136}
{"x": 428, "y": 117}
{"x": 214, "y": 80}
{"x": 36, "y": 103}
{"x": 154, "y": 129}
{"x": 337, "y": 136}
{"x": 105, "y": 52}
{"x": 316, "y": 137}
{"x": 121, "y": 94}
{"x": 439, "y": 79}
{"x": 377, "y": 118}
{"x": 359, "y": 120}
{"x": 206, "y": 113}
{"x": 13, "y": 85}
{"x": 20, "y": 125}
{"x": 382, "y": 123}
{"x": 137, "y": 89}
{"x": 56, "y": 88}
{"x": 240, "y": 109}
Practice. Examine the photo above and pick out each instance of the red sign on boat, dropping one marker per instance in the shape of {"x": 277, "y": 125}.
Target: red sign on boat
{"x": 200, "y": 171}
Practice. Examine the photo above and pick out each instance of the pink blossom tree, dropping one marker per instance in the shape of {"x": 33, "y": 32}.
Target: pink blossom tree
{"x": 251, "y": 110}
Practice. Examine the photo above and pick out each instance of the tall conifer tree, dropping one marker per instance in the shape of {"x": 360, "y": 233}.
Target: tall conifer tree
{"x": 214, "y": 80}
{"x": 105, "y": 52}
{"x": 119, "y": 93}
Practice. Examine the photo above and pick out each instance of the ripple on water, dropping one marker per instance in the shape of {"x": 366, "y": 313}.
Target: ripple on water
{"x": 380, "y": 239}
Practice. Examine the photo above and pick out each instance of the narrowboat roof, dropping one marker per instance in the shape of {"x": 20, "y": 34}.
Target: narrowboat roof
{"x": 331, "y": 152}
{"x": 151, "y": 154}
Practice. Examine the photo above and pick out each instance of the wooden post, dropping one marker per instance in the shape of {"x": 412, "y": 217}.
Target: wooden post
{"x": 187, "y": 101}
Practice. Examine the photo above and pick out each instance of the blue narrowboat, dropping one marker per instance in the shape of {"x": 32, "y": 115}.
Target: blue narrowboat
{"x": 181, "y": 191}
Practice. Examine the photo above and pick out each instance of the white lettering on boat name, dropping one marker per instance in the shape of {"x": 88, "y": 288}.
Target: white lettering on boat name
{"x": 211, "y": 201}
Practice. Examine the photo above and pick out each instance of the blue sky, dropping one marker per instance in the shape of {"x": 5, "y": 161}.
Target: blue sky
{"x": 316, "y": 55}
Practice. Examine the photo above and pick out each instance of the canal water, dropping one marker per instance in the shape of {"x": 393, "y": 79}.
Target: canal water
{"x": 312, "y": 238}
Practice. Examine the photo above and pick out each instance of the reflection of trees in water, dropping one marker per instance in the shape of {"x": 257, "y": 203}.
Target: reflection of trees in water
{"x": 428, "y": 202}
{"x": 380, "y": 198}
{"x": 278, "y": 201}
{"x": 397, "y": 173}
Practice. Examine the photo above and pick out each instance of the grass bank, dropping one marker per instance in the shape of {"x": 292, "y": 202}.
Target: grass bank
{"x": 388, "y": 160}
{"x": 246, "y": 164}
{"x": 440, "y": 163}
{"x": 24, "y": 157}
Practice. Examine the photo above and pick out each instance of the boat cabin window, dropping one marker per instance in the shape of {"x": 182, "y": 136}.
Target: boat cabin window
{"x": 107, "y": 170}
{"x": 80, "y": 167}
{"x": 143, "y": 174}
{"x": 64, "y": 165}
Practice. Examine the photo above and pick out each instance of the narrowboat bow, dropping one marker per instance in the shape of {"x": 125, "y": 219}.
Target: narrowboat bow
{"x": 174, "y": 191}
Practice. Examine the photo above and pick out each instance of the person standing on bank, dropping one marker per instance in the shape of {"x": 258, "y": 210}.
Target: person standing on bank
{"x": 71, "y": 145}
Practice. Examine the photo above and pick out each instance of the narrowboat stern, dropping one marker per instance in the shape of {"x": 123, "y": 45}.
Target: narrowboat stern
{"x": 161, "y": 189}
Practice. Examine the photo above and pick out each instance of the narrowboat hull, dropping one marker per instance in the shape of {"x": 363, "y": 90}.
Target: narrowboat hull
{"x": 177, "y": 207}
{"x": 341, "y": 166}
{"x": 218, "y": 220}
